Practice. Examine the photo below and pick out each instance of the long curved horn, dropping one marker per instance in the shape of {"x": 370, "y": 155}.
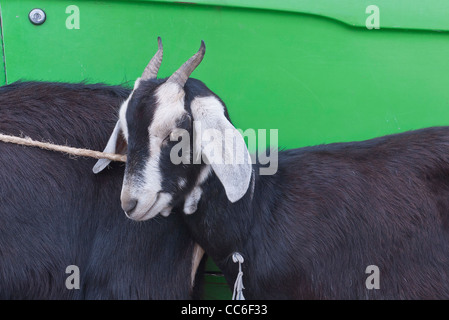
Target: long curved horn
{"x": 153, "y": 66}
{"x": 183, "y": 73}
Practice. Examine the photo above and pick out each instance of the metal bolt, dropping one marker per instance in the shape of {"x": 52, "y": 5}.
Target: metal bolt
{"x": 37, "y": 16}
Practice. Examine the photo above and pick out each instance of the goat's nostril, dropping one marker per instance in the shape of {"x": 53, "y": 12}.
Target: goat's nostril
{"x": 129, "y": 205}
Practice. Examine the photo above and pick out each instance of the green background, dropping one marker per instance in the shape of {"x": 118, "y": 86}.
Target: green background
{"x": 310, "y": 69}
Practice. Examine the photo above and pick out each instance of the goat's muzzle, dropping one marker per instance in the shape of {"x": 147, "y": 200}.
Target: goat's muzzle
{"x": 128, "y": 203}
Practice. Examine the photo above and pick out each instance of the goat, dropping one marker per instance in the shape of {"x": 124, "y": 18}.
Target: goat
{"x": 313, "y": 230}
{"x": 55, "y": 213}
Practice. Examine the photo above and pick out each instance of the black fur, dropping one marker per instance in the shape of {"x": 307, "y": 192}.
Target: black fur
{"x": 55, "y": 212}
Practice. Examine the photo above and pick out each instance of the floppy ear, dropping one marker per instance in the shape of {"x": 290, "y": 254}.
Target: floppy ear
{"x": 116, "y": 144}
{"x": 222, "y": 146}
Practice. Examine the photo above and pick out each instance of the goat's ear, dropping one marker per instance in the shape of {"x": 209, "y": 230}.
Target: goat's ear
{"x": 222, "y": 145}
{"x": 116, "y": 144}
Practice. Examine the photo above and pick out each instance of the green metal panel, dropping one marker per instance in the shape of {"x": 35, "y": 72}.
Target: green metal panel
{"x": 2, "y": 58}
{"x": 307, "y": 68}
{"x": 397, "y": 14}
{"x": 216, "y": 287}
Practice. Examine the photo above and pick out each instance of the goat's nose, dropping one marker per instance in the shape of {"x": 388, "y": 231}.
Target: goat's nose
{"x": 128, "y": 205}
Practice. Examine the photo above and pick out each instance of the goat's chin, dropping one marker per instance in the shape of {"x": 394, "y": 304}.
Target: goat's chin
{"x": 145, "y": 216}
{"x": 160, "y": 205}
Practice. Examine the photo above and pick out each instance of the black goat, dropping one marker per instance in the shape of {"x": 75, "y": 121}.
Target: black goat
{"x": 311, "y": 230}
{"x": 54, "y": 212}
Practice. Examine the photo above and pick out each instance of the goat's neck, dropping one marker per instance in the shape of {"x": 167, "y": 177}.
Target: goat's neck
{"x": 219, "y": 226}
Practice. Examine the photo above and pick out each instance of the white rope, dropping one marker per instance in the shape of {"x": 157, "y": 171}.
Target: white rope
{"x": 238, "y": 285}
{"x": 27, "y": 141}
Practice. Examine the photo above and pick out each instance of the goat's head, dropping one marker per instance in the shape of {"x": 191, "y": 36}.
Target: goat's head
{"x": 158, "y": 115}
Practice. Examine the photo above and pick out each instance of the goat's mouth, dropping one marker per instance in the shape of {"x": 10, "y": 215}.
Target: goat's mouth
{"x": 160, "y": 203}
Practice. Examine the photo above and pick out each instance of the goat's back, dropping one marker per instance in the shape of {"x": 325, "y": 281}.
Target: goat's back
{"x": 346, "y": 206}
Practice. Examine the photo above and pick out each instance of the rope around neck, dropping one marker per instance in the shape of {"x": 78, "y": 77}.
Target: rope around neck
{"x": 27, "y": 141}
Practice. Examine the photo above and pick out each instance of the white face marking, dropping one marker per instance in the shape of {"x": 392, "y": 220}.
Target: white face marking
{"x": 194, "y": 196}
{"x": 170, "y": 109}
{"x": 136, "y": 84}
{"x": 146, "y": 189}
{"x": 124, "y": 107}
{"x": 192, "y": 199}
{"x": 166, "y": 212}
{"x": 204, "y": 174}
